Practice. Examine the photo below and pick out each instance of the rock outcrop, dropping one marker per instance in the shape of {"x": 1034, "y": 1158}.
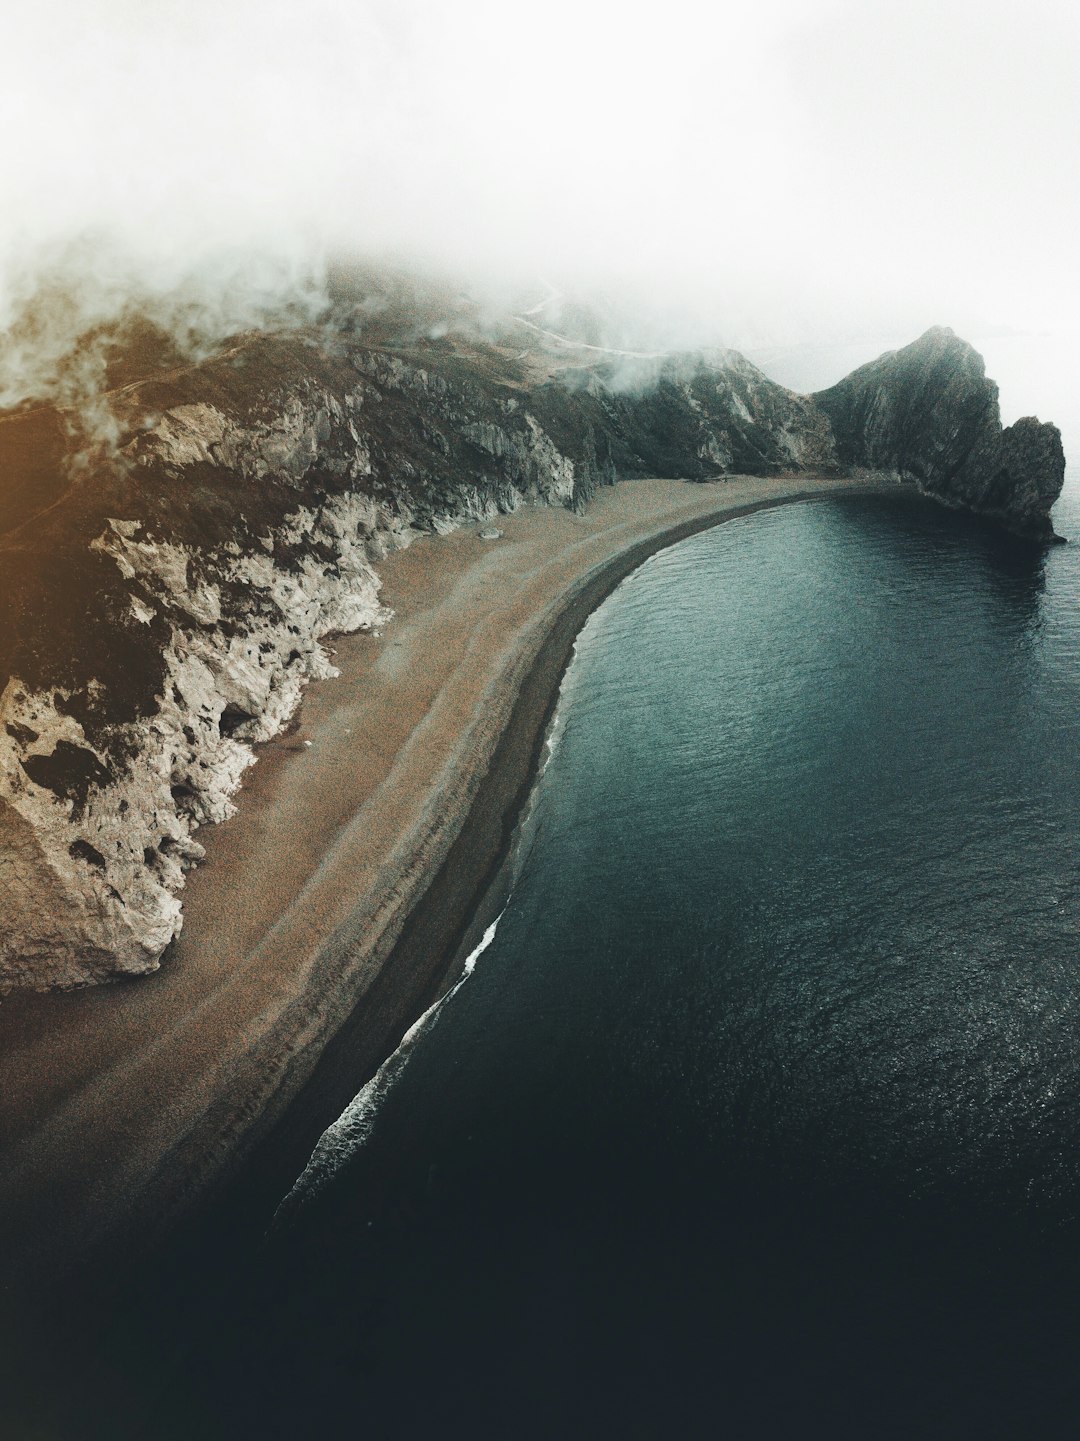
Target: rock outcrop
{"x": 928, "y": 414}
{"x": 162, "y": 601}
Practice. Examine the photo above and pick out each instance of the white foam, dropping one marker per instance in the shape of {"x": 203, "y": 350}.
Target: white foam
{"x": 352, "y": 1128}
{"x": 557, "y": 726}
{"x": 554, "y": 735}
{"x": 485, "y": 941}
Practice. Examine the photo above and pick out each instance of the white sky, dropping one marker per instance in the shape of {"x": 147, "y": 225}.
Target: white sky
{"x": 761, "y": 173}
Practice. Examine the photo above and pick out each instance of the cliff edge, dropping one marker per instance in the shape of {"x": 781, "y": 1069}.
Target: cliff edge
{"x": 164, "y": 595}
{"x": 928, "y": 414}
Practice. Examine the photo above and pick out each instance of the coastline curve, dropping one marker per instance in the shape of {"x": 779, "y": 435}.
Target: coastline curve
{"x": 289, "y": 1038}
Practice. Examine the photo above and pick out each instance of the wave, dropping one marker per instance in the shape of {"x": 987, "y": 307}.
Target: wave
{"x": 340, "y": 1141}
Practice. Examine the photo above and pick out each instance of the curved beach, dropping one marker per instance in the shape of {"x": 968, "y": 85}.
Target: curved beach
{"x": 328, "y": 911}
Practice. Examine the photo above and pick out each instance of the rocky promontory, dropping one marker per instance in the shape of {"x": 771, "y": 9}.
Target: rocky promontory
{"x": 928, "y": 414}
{"x": 165, "y": 587}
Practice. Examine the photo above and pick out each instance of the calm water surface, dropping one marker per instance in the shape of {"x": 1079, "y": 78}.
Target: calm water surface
{"x": 760, "y": 1115}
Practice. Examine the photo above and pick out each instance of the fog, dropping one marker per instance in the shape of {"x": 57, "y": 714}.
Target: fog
{"x": 760, "y": 175}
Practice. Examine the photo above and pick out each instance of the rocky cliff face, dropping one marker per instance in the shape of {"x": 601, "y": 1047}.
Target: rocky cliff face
{"x": 163, "y": 598}
{"x": 928, "y": 414}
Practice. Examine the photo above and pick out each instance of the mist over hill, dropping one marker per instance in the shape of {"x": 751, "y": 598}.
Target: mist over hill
{"x": 186, "y": 513}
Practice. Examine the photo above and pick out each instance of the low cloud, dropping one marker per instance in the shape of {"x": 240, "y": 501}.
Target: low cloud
{"x": 803, "y": 169}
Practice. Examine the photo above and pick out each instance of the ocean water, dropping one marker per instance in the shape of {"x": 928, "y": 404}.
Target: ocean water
{"x": 758, "y": 1114}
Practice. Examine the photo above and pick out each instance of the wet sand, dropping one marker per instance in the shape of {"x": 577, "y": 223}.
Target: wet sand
{"x": 328, "y": 910}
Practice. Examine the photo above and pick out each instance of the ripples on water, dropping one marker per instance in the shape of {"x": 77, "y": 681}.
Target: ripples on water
{"x": 761, "y": 1115}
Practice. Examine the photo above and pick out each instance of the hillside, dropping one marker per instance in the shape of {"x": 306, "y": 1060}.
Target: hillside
{"x": 167, "y": 577}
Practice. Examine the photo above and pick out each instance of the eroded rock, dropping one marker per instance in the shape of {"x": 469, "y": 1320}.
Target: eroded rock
{"x": 928, "y": 414}
{"x": 162, "y": 616}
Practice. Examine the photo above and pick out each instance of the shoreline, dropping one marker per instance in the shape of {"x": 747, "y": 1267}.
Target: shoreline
{"x": 470, "y": 888}
{"x": 301, "y": 1045}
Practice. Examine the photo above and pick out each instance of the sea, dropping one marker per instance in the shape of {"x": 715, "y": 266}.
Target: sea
{"x": 756, "y": 1114}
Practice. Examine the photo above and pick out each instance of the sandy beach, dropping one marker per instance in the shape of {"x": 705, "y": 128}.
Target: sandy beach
{"x": 332, "y": 904}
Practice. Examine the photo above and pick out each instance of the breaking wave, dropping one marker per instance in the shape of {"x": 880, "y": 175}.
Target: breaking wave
{"x": 352, "y": 1128}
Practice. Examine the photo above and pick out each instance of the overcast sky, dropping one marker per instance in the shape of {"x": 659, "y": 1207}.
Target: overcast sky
{"x": 766, "y": 172}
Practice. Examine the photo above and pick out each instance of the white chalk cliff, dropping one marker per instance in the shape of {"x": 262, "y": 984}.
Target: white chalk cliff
{"x": 161, "y": 614}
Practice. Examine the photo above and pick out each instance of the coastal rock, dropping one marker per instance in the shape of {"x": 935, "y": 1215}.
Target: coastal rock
{"x": 166, "y": 616}
{"x": 101, "y": 825}
{"x": 928, "y": 414}
{"x": 163, "y": 605}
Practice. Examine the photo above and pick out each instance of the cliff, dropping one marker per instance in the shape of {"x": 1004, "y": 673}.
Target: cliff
{"x": 164, "y": 590}
{"x": 928, "y": 414}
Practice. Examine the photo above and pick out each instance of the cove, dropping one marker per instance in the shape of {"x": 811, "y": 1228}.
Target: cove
{"x": 759, "y": 1115}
